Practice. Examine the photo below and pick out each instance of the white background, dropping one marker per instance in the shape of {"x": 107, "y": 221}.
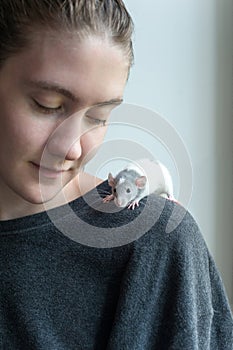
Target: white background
{"x": 184, "y": 71}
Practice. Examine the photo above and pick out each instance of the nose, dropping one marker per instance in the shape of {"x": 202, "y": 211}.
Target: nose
{"x": 65, "y": 142}
{"x": 75, "y": 151}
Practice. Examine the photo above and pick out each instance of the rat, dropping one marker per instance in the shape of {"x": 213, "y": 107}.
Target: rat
{"x": 136, "y": 181}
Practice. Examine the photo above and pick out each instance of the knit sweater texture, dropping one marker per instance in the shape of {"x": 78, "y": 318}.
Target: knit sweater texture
{"x": 159, "y": 291}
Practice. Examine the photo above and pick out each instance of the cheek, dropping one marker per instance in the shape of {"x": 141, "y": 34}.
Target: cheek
{"x": 28, "y": 136}
{"x": 22, "y": 135}
{"x": 91, "y": 142}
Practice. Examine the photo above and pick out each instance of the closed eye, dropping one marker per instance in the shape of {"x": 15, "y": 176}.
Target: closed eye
{"x": 46, "y": 109}
{"x": 96, "y": 121}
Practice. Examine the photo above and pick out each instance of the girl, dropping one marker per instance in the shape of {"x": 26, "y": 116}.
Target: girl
{"x": 63, "y": 68}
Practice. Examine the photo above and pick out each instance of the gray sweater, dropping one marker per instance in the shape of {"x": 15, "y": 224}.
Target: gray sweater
{"x": 159, "y": 291}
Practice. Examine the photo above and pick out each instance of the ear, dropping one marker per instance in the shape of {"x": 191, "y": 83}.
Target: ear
{"x": 141, "y": 181}
{"x": 111, "y": 180}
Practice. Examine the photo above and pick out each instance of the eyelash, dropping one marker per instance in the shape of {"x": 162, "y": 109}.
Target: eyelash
{"x": 96, "y": 121}
{"x": 50, "y": 110}
{"x": 47, "y": 110}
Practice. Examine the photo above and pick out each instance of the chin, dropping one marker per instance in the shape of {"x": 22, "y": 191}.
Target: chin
{"x": 42, "y": 195}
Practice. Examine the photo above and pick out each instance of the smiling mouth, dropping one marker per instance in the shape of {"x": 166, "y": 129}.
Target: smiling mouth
{"x": 47, "y": 172}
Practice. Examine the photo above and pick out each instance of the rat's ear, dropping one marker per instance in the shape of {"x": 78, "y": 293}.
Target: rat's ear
{"x": 111, "y": 180}
{"x": 141, "y": 181}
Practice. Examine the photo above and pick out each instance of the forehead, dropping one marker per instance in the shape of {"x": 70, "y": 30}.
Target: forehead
{"x": 124, "y": 182}
{"x": 92, "y": 68}
{"x": 121, "y": 180}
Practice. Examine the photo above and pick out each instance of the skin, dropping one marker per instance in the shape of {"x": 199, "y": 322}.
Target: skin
{"x": 59, "y": 74}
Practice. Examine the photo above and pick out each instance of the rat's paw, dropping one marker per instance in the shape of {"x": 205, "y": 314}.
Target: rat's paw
{"x": 108, "y": 198}
{"x": 133, "y": 204}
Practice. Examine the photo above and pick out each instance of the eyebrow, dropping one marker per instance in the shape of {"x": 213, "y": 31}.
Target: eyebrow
{"x": 45, "y": 85}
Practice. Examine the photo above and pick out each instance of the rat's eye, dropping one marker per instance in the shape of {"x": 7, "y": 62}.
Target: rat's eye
{"x": 128, "y": 190}
{"x": 114, "y": 190}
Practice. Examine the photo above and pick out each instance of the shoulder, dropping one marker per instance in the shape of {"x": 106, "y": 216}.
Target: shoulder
{"x": 155, "y": 215}
{"x": 173, "y": 248}
{"x": 156, "y": 220}
{"x": 173, "y": 228}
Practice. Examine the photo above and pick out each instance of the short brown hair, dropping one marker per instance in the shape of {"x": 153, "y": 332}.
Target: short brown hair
{"x": 18, "y": 18}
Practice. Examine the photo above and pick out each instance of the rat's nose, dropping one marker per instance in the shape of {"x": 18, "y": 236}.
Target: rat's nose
{"x": 119, "y": 203}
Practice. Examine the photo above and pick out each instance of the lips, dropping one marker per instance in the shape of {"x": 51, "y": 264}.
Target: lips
{"x": 47, "y": 172}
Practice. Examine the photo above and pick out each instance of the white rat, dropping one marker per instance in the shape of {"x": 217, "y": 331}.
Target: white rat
{"x": 138, "y": 180}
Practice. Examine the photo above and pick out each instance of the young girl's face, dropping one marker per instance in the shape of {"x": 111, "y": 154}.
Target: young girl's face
{"x": 55, "y": 96}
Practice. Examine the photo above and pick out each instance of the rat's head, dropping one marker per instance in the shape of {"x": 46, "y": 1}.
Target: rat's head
{"x": 126, "y": 190}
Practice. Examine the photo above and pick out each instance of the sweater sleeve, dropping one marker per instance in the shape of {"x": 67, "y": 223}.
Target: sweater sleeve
{"x": 172, "y": 296}
{"x": 221, "y": 334}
